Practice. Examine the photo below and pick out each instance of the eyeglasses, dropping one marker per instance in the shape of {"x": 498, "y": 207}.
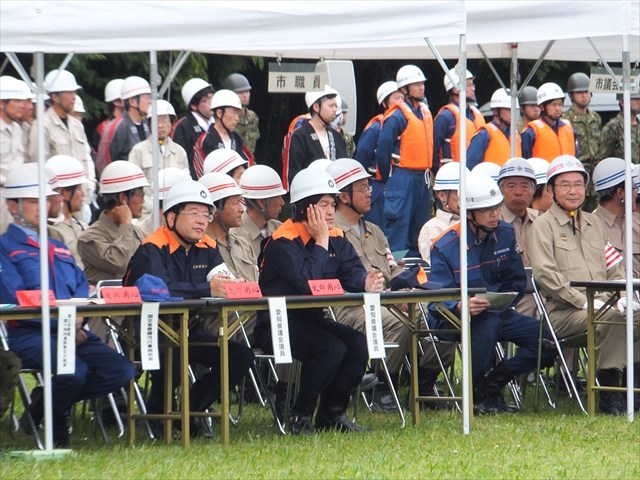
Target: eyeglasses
{"x": 364, "y": 190}
{"x": 566, "y": 186}
{"x": 195, "y": 215}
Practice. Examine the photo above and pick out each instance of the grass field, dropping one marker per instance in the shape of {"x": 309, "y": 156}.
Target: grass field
{"x": 560, "y": 443}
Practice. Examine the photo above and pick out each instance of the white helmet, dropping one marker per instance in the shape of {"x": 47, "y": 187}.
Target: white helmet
{"x": 222, "y": 160}
{"x": 22, "y": 182}
{"x": 386, "y": 89}
{"x": 549, "y": 91}
{"x": 164, "y": 108}
{"x": 409, "y": 74}
{"x": 168, "y": 177}
{"x": 68, "y": 171}
{"x": 346, "y": 171}
{"x": 565, "y": 164}
{"x": 28, "y": 93}
{"x": 220, "y": 185}
{"x": 312, "y": 97}
{"x": 134, "y": 86}
{"x": 447, "y": 82}
{"x": 608, "y": 173}
{"x": 320, "y": 164}
{"x": 60, "y": 81}
{"x": 309, "y": 182}
{"x": 113, "y": 90}
{"x": 225, "y": 98}
{"x": 121, "y": 176}
{"x": 540, "y": 166}
{"x": 517, "y": 167}
{"x": 448, "y": 177}
{"x": 11, "y": 89}
{"x": 188, "y": 191}
{"x": 78, "y": 105}
{"x": 488, "y": 168}
{"x": 261, "y": 181}
{"x": 502, "y": 99}
{"x": 482, "y": 191}
{"x": 191, "y": 87}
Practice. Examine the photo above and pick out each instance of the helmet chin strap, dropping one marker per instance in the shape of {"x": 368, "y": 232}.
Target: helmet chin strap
{"x": 178, "y": 234}
{"x": 263, "y": 211}
{"x": 20, "y": 217}
{"x": 326, "y": 124}
{"x": 222, "y": 121}
{"x": 486, "y": 230}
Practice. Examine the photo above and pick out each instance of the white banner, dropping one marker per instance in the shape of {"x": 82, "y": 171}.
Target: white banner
{"x": 149, "y": 336}
{"x": 280, "y": 330}
{"x": 373, "y": 317}
{"x": 66, "y": 340}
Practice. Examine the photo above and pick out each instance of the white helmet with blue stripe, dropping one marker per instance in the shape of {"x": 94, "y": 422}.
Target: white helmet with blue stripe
{"x": 517, "y": 167}
{"x": 540, "y": 166}
{"x": 608, "y": 173}
{"x": 448, "y": 177}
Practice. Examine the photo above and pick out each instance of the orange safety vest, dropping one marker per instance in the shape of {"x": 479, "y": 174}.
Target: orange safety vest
{"x": 377, "y": 118}
{"x": 499, "y": 147}
{"x": 548, "y": 145}
{"x": 416, "y": 142}
{"x": 472, "y": 127}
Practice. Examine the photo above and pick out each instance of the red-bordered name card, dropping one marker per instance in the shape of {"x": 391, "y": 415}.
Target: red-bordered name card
{"x": 243, "y": 290}
{"x": 121, "y": 295}
{"x": 33, "y": 298}
{"x": 330, "y": 286}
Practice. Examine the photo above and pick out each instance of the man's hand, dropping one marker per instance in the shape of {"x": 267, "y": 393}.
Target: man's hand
{"x": 374, "y": 281}
{"x": 476, "y": 305}
{"x": 81, "y": 336}
{"x": 403, "y": 307}
{"x": 122, "y": 215}
{"x": 218, "y": 282}
{"x": 317, "y": 226}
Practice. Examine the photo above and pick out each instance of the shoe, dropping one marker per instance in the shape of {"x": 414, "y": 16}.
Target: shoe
{"x": 386, "y": 403}
{"x": 302, "y": 413}
{"x": 279, "y": 394}
{"x": 332, "y": 411}
{"x": 61, "y": 431}
{"x": 341, "y": 424}
{"x": 368, "y": 382}
{"x": 35, "y": 409}
{"x": 301, "y": 424}
{"x": 611, "y": 403}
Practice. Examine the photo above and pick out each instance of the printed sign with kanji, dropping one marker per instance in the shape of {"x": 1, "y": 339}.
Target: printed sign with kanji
{"x": 325, "y": 287}
{"x": 121, "y": 295}
{"x": 243, "y": 290}
{"x": 33, "y": 298}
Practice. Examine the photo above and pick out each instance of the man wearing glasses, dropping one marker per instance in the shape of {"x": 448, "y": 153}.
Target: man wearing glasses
{"x": 570, "y": 244}
{"x": 494, "y": 263}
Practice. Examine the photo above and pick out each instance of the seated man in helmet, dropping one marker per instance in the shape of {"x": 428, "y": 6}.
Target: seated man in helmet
{"x": 262, "y": 191}
{"x": 125, "y": 131}
{"x": 495, "y": 264}
{"x": 568, "y": 244}
{"x": 542, "y": 198}
{"x": 315, "y": 138}
{"x": 225, "y": 161}
{"x": 492, "y": 141}
{"x": 333, "y": 356}
{"x": 196, "y": 94}
{"x": 70, "y": 175}
{"x": 185, "y": 258}
{"x": 99, "y": 369}
{"x": 226, "y": 106}
{"x": 248, "y": 122}
{"x": 529, "y": 109}
{"x": 550, "y": 136}
{"x": 108, "y": 244}
{"x": 170, "y": 154}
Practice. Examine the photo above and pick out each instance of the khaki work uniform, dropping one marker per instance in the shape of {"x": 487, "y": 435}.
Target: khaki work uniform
{"x": 614, "y": 228}
{"x": 373, "y": 249}
{"x": 105, "y": 250}
{"x": 250, "y": 232}
{"x": 11, "y": 155}
{"x": 68, "y": 233}
{"x": 522, "y": 227}
{"x": 558, "y": 256}
{"x": 169, "y": 155}
{"x": 433, "y": 229}
{"x": 69, "y": 139}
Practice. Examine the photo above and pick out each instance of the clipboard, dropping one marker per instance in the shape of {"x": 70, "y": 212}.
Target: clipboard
{"x": 499, "y": 301}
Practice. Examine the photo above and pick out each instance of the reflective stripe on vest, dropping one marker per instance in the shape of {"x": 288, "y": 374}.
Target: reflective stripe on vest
{"x": 499, "y": 147}
{"x": 472, "y": 127}
{"x": 548, "y": 145}
{"x": 416, "y": 142}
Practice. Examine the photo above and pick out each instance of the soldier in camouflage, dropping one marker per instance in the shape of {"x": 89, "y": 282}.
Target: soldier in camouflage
{"x": 588, "y": 126}
{"x": 248, "y": 125}
{"x": 348, "y": 138}
{"x": 612, "y": 137}
{"x": 529, "y": 109}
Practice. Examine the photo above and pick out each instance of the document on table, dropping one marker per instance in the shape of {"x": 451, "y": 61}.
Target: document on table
{"x": 499, "y": 301}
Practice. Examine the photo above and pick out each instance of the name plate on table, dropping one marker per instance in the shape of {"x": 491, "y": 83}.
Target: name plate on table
{"x": 243, "y": 290}
{"x": 149, "y": 336}
{"x": 33, "y": 298}
{"x": 373, "y": 320}
{"x": 66, "y": 340}
{"x": 121, "y": 295}
{"x": 325, "y": 287}
{"x": 280, "y": 330}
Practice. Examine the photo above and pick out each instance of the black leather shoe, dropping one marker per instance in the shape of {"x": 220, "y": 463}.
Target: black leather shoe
{"x": 368, "y": 382}
{"x": 61, "y": 431}
{"x": 301, "y": 424}
{"x": 386, "y": 403}
{"x": 35, "y": 409}
{"x": 198, "y": 428}
{"x": 341, "y": 424}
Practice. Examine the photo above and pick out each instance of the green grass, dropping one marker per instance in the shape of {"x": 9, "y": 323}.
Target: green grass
{"x": 559, "y": 443}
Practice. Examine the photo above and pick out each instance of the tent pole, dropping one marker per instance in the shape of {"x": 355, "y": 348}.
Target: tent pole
{"x": 536, "y": 65}
{"x": 174, "y": 71}
{"x": 44, "y": 256}
{"x": 493, "y": 69}
{"x": 155, "y": 80}
{"x": 514, "y": 98}
{"x": 20, "y": 69}
{"x": 464, "y": 310}
{"x": 628, "y": 238}
{"x": 604, "y": 62}
{"x": 441, "y": 61}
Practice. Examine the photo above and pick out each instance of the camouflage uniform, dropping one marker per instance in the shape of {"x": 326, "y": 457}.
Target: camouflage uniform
{"x": 612, "y": 139}
{"x": 9, "y": 375}
{"x": 520, "y": 125}
{"x": 588, "y": 127}
{"x": 248, "y": 129}
{"x": 351, "y": 144}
